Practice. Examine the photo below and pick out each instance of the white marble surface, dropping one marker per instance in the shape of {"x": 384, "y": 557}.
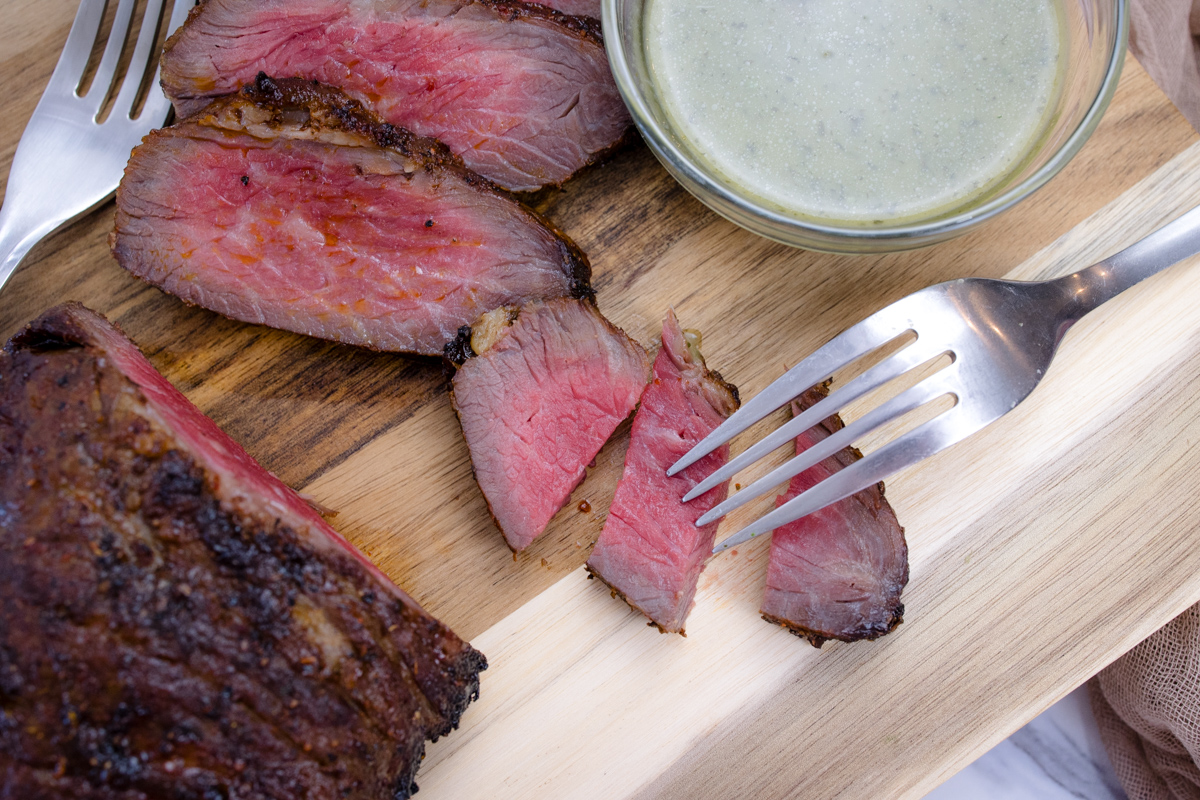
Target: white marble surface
{"x": 1057, "y": 756}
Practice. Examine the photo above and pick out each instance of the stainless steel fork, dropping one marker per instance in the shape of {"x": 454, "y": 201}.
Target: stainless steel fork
{"x": 67, "y": 162}
{"x": 1000, "y": 335}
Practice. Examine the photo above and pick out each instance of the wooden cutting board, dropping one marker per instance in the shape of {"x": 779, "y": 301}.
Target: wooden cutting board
{"x": 1041, "y": 549}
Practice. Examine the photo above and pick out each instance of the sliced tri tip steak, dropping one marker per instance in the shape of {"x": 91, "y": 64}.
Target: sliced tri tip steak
{"x": 174, "y": 620}
{"x": 650, "y": 552}
{"x": 837, "y": 573}
{"x": 539, "y": 392}
{"x": 522, "y": 93}
{"x": 290, "y": 205}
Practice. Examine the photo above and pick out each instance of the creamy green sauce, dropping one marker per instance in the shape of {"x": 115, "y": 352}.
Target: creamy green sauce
{"x": 857, "y": 110}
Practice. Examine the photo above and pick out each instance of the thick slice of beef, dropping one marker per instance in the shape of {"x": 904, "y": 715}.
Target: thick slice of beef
{"x": 174, "y": 621}
{"x": 291, "y": 206}
{"x": 837, "y": 573}
{"x": 521, "y": 92}
{"x": 546, "y": 386}
{"x": 650, "y": 551}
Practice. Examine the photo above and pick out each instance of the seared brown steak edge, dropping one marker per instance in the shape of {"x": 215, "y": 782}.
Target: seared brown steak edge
{"x": 174, "y": 624}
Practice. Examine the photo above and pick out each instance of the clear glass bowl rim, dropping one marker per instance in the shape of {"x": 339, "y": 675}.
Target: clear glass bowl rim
{"x": 934, "y": 230}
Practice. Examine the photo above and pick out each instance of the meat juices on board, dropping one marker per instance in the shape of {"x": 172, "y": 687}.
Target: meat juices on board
{"x": 172, "y": 611}
{"x": 290, "y": 205}
{"x": 522, "y": 93}
{"x": 837, "y": 573}
{"x": 547, "y": 386}
{"x": 650, "y": 552}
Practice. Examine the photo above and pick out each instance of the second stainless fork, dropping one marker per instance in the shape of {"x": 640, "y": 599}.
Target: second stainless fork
{"x": 68, "y": 162}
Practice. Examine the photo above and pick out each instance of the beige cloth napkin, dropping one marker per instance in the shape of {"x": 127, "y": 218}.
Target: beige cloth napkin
{"x": 1163, "y": 37}
{"x": 1147, "y": 703}
{"x": 1147, "y": 706}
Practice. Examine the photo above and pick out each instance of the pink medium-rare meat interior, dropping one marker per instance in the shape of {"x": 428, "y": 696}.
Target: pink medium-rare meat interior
{"x": 538, "y": 405}
{"x": 650, "y": 551}
{"x": 523, "y": 96}
{"x": 345, "y": 241}
{"x": 837, "y": 573}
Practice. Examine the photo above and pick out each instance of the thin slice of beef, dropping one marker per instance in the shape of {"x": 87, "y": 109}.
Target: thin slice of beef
{"x": 291, "y": 206}
{"x": 546, "y": 386}
{"x": 521, "y": 92}
{"x": 650, "y": 551}
{"x": 174, "y": 621}
{"x": 837, "y": 573}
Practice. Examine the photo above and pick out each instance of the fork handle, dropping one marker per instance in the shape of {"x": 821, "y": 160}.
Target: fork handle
{"x": 1106, "y": 279}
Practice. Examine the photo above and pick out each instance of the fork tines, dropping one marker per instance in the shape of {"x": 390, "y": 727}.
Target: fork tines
{"x": 71, "y": 70}
{"x": 858, "y": 341}
{"x": 72, "y": 152}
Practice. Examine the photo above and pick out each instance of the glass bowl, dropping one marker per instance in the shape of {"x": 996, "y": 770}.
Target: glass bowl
{"x": 1096, "y": 34}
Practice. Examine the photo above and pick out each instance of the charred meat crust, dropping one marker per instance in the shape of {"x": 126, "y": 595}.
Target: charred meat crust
{"x": 55, "y": 330}
{"x": 322, "y": 107}
{"x": 461, "y": 672}
{"x": 734, "y": 395}
{"x": 818, "y": 638}
{"x": 578, "y": 267}
{"x": 814, "y": 638}
{"x": 586, "y": 27}
{"x": 617, "y": 593}
{"x": 316, "y": 106}
{"x": 156, "y": 639}
{"x": 459, "y": 349}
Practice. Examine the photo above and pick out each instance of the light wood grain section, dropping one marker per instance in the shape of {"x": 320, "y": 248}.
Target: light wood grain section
{"x": 373, "y": 436}
{"x": 1041, "y": 549}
